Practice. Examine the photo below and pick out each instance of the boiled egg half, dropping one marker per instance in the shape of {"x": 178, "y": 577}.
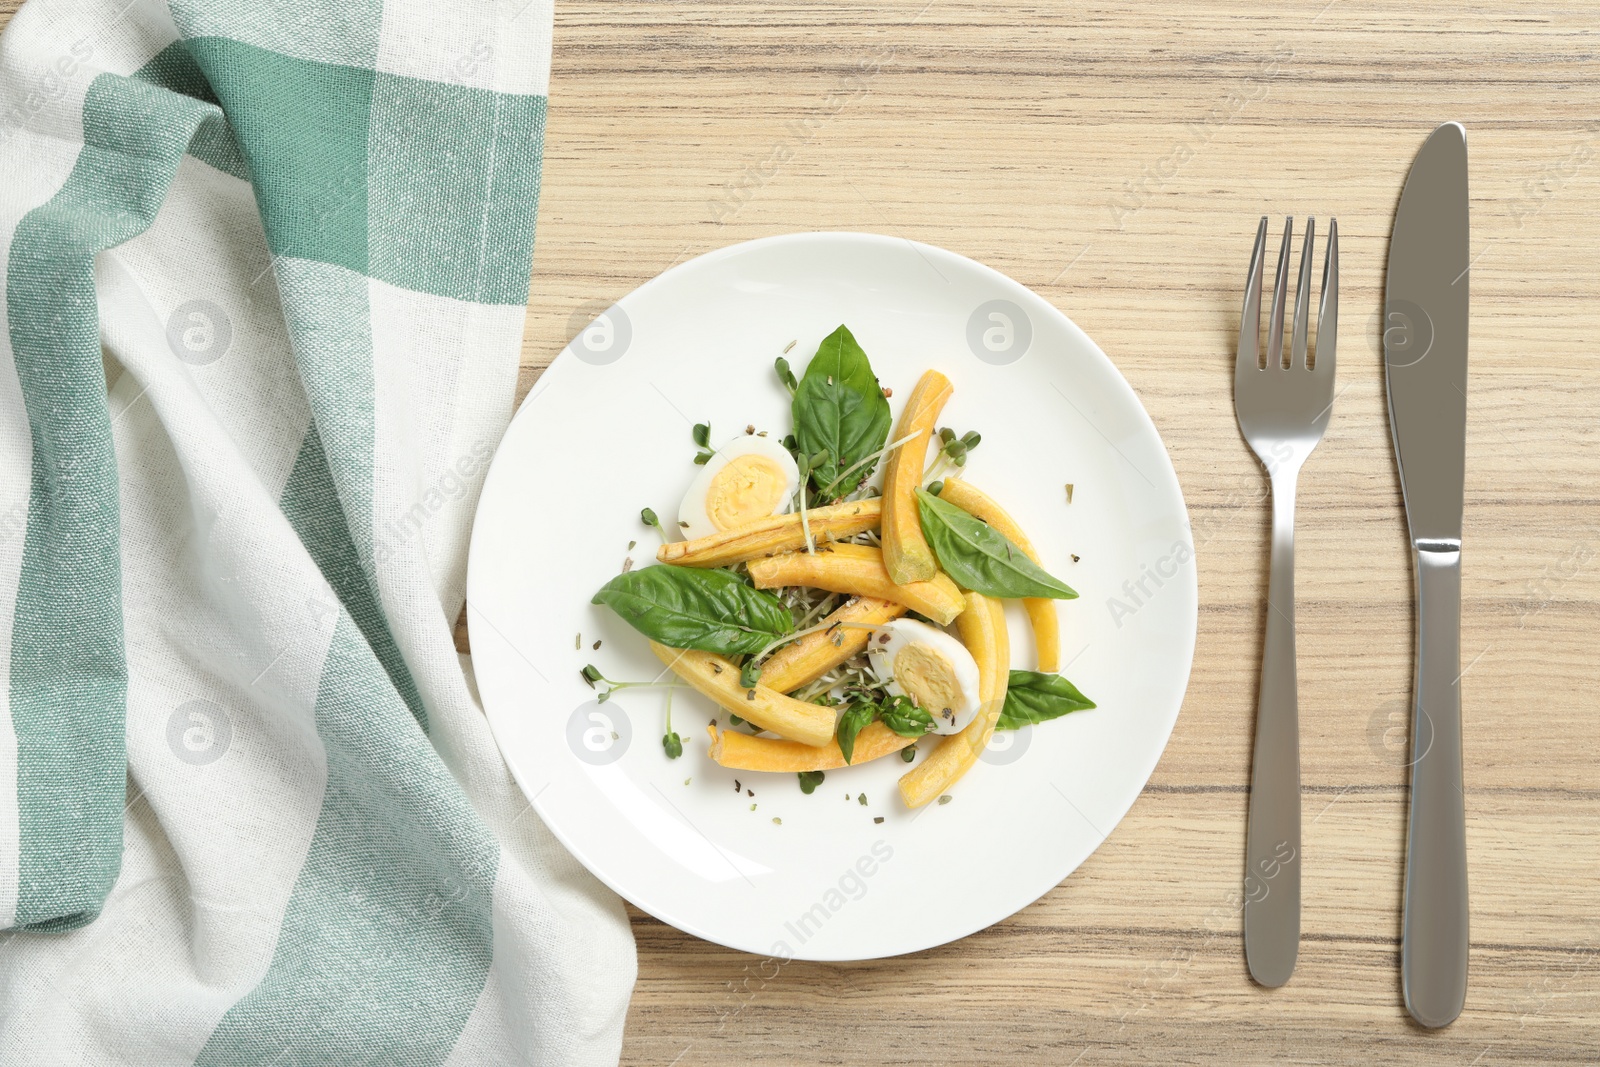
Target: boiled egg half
{"x": 749, "y": 478}
{"x": 929, "y": 666}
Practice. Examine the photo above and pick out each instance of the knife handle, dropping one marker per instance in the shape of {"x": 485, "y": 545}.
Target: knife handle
{"x": 1272, "y": 839}
{"x": 1433, "y": 949}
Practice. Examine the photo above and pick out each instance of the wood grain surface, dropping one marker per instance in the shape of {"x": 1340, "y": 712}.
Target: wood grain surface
{"x": 1116, "y": 158}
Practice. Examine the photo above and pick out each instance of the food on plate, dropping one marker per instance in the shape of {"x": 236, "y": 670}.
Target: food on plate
{"x": 933, "y": 669}
{"x": 806, "y": 659}
{"x": 858, "y": 570}
{"x": 906, "y": 554}
{"x": 718, "y": 678}
{"x": 1041, "y": 610}
{"x": 983, "y": 631}
{"x": 835, "y": 618}
{"x": 780, "y": 533}
{"x": 747, "y": 479}
{"x": 740, "y": 751}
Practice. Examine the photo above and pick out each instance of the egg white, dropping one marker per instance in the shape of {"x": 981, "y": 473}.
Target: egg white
{"x": 886, "y": 646}
{"x": 694, "y": 518}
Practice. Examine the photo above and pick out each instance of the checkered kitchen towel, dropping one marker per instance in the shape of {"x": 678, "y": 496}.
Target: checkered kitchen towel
{"x": 250, "y": 811}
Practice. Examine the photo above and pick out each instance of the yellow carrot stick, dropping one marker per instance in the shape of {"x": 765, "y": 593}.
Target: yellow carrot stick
{"x": 718, "y": 678}
{"x": 906, "y": 553}
{"x": 746, "y": 752}
{"x": 858, "y": 570}
{"x": 803, "y": 661}
{"x": 983, "y": 630}
{"x": 780, "y": 533}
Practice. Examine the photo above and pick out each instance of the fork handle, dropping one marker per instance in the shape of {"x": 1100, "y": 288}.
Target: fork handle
{"x": 1272, "y": 842}
{"x": 1433, "y": 948}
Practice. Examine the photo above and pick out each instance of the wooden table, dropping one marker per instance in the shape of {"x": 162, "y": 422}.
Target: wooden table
{"x": 1116, "y": 158}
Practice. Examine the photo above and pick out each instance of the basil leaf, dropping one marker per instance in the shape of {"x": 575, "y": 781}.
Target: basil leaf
{"x": 981, "y": 558}
{"x": 809, "y": 780}
{"x": 1033, "y": 697}
{"x": 904, "y": 717}
{"x": 839, "y": 409}
{"x": 690, "y": 607}
{"x": 851, "y": 723}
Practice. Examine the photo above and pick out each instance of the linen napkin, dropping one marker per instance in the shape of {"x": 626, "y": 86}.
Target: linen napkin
{"x": 250, "y": 810}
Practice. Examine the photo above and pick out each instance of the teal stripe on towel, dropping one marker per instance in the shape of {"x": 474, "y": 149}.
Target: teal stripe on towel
{"x": 68, "y": 669}
{"x": 312, "y": 504}
{"x": 387, "y": 940}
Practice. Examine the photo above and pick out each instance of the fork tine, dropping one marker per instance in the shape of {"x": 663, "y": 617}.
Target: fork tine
{"x": 1302, "y": 299}
{"x": 1280, "y": 291}
{"x": 1250, "y": 317}
{"x": 1328, "y": 310}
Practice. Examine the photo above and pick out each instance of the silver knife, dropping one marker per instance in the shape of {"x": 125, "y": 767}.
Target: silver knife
{"x": 1425, "y": 358}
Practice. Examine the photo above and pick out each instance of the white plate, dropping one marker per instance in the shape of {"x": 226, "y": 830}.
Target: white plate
{"x": 606, "y": 431}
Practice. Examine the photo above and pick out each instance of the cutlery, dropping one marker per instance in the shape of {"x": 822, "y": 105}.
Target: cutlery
{"x": 1283, "y": 410}
{"x": 1425, "y": 358}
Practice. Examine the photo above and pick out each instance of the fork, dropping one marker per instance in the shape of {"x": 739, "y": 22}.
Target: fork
{"x": 1283, "y": 408}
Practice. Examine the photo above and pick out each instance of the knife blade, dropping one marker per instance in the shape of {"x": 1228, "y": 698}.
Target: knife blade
{"x": 1425, "y": 372}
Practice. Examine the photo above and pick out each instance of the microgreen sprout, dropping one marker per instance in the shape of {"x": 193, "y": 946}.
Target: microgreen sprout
{"x": 862, "y": 462}
{"x": 591, "y": 674}
{"x": 648, "y": 517}
{"x": 953, "y": 451}
{"x": 670, "y": 741}
{"x": 785, "y": 375}
{"x": 702, "y": 438}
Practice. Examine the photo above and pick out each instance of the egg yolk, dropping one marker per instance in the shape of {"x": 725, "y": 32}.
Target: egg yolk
{"x": 750, "y": 487}
{"x": 928, "y": 678}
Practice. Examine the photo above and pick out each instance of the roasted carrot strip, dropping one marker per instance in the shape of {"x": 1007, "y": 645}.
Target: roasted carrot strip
{"x": 746, "y": 752}
{"x": 718, "y": 678}
{"x": 858, "y": 570}
{"x": 906, "y": 553}
{"x": 983, "y": 630}
{"x": 780, "y": 533}
{"x": 803, "y": 661}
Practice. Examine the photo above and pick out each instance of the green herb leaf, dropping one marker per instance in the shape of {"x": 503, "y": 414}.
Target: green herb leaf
{"x": 851, "y": 723}
{"x": 908, "y": 753}
{"x": 904, "y": 717}
{"x": 981, "y": 558}
{"x": 673, "y": 744}
{"x": 700, "y": 458}
{"x": 691, "y": 607}
{"x": 648, "y": 517}
{"x": 702, "y": 434}
{"x": 840, "y": 409}
{"x": 1033, "y": 697}
{"x": 809, "y": 780}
